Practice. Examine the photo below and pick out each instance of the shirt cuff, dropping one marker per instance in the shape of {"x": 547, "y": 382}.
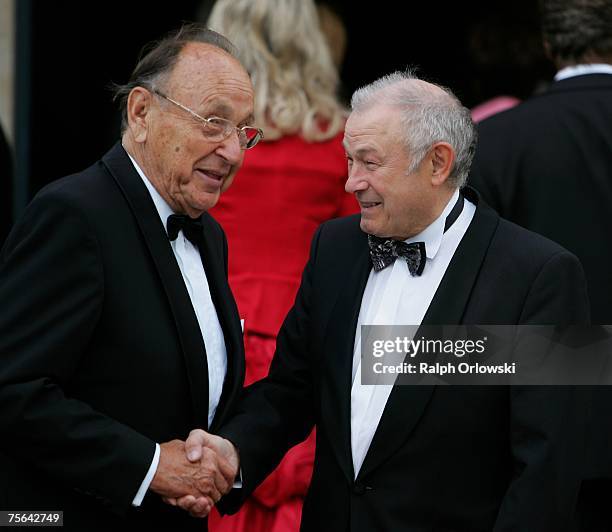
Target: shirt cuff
{"x": 238, "y": 480}
{"x": 148, "y": 478}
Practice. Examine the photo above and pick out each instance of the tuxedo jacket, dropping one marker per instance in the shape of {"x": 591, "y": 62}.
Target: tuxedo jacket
{"x": 547, "y": 165}
{"x": 101, "y": 354}
{"x": 443, "y": 458}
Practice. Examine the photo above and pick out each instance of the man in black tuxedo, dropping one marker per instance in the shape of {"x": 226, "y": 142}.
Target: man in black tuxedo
{"x": 547, "y": 165}
{"x": 118, "y": 330}
{"x": 414, "y": 458}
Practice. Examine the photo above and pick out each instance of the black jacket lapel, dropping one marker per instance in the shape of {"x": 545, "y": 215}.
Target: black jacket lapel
{"x": 339, "y": 342}
{"x": 407, "y": 403}
{"x": 120, "y": 167}
{"x": 214, "y": 258}
{"x": 452, "y": 296}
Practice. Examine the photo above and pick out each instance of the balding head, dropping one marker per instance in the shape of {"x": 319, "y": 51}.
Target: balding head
{"x": 159, "y": 59}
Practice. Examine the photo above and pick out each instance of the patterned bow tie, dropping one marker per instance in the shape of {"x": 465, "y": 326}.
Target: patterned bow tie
{"x": 192, "y": 228}
{"x": 384, "y": 251}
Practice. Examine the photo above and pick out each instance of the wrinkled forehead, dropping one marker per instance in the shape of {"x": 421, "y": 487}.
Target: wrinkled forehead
{"x": 380, "y": 122}
{"x": 198, "y": 55}
{"x": 203, "y": 71}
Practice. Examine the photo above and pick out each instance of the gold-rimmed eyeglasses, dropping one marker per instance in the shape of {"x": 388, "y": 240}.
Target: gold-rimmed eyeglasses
{"x": 218, "y": 129}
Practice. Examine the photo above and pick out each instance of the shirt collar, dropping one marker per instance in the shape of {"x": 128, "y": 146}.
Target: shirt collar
{"x": 163, "y": 209}
{"x": 433, "y": 233}
{"x": 581, "y": 70}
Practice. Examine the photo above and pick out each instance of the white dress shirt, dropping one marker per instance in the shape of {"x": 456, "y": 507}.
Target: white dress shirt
{"x": 394, "y": 297}
{"x": 581, "y": 70}
{"x": 190, "y": 263}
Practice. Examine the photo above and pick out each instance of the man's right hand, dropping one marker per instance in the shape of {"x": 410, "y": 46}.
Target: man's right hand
{"x": 206, "y": 478}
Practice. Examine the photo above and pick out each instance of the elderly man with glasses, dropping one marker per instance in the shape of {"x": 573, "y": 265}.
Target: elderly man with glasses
{"x": 118, "y": 330}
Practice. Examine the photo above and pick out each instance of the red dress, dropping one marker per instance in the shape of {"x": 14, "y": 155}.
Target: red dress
{"x": 283, "y": 192}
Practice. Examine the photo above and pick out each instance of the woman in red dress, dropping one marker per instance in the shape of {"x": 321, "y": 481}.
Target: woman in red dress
{"x": 293, "y": 182}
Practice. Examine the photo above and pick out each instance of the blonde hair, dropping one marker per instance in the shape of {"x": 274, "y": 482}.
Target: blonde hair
{"x": 281, "y": 44}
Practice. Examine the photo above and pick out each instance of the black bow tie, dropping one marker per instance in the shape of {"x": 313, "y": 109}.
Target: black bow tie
{"x": 384, "y": 251}
{"x": 192, "y": 228}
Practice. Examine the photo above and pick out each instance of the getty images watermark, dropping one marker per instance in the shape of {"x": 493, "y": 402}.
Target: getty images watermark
{"x": 410, "y": 349}
{"x": 486, "y": 354}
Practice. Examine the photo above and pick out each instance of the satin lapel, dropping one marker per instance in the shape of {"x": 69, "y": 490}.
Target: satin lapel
{"x": 213, "y": 260}
{"x": 147, "y": 218}
{"x": 452, "y": 296}
{"x": 339, "y": 342}
{"x": 407, "y": 403}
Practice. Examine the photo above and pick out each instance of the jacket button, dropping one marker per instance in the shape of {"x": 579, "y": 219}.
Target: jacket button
{"x": 359, "y": 489}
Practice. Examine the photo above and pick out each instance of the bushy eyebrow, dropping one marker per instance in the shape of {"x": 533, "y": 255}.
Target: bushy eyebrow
{"x": 223, "y": 110}
{"x": 220, "y": 109}
{"x": 362, "y": 152}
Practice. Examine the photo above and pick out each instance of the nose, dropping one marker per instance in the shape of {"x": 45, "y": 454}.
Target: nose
{"x": 355, "y": 182}
{"x": 230, "y": 149}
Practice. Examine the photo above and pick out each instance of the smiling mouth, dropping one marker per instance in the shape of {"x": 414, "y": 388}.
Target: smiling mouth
{"x": 369, "y": 204}
{"x": 217, "y": 176}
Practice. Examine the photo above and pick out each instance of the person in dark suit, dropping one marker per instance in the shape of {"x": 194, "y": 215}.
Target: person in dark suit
{"x": 426, "y": 457}
{"x": 118, "y": 330}
{"x": 547, "y": 165}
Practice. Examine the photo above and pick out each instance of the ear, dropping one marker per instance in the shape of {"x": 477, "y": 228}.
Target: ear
{"x": 442, "y": 157}
{"x": 138, "y": 108}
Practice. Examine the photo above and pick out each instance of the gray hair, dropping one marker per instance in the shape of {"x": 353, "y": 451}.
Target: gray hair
{"x": 428, "y": 115}
{"x": 575, "y": 28}
{"x": 159, "y": 58}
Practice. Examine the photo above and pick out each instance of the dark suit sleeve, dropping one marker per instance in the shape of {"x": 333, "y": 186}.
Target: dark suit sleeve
{"x": 52, "y": 293}
{"x": 558, "y": 296}
{"x": 277, "y": 412}
{"x": 548, "y": 422}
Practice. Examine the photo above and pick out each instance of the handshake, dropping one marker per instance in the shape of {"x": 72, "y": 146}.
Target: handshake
{"x": 195, "y": 474}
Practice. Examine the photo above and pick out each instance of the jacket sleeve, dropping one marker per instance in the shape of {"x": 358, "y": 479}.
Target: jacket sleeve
{"x": 52, "y": 293}
{"x": 277, "y": 412}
